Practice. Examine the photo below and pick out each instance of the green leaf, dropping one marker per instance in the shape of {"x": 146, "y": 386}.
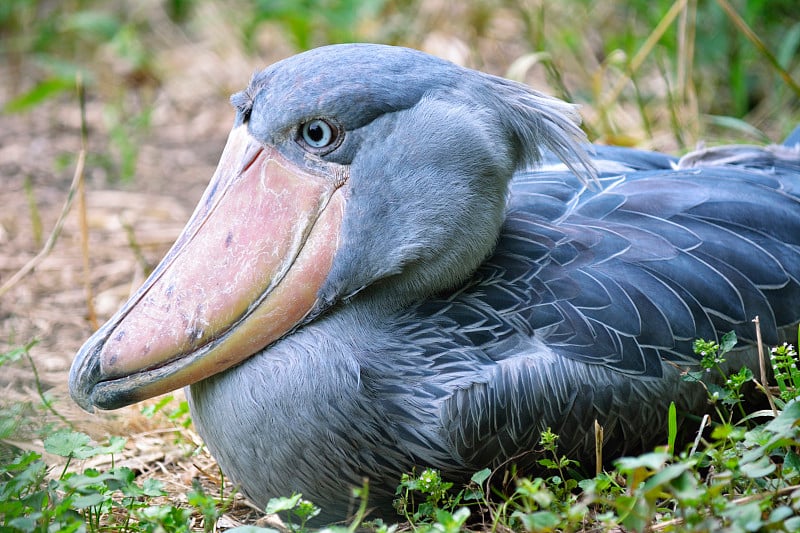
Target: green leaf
{"x": 277, "y": 505}
{"x": 16, "y": 354}
{"x": 665, "y": 476}
{"x": 306, "y": 510}
{"x": 727, "y": 342}
{"x": 786, "y": 421}
{"x": 452, "y": 521}
{"x": 792, "y": 524}
{"x": 597, "y": 484}
{"x": 66, "y": 442}
{"x": 44, "y": 90}
{"x": 727, "y": 431}
{"x": 745, "y": 515}
{"x": 115, "y": 445}
{"x": 122, "y": 479}
{"x": 686, "y": 489}
{"x": 538, "y": 521}
{"x": 481, "y": 476}
{"x": 632, "y": 512}
{"x": 166, "y": 517}
{"x": 718, "y": 393}
{"x": 24, "y": 523}
{"x": 548, "y": 463}
{"x": 150, "y": 410}
{"x": 791, "y": 461}
{"x": 758, "y": 468}
{"x": 651, "y": 461}
{"x": 89, "y": 480}
{"x": 780, "y": 513}
{"x": 153, "y": 487}
{"x": 672, "y": 428}
{"x": 694, "y": 376}
{"x": 93, "y": 499}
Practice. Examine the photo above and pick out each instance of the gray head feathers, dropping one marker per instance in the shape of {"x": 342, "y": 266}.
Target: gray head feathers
{"x": 358, "y": 83}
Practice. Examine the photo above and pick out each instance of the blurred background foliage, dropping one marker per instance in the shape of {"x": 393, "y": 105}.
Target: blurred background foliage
{"x": 650, "y": 73}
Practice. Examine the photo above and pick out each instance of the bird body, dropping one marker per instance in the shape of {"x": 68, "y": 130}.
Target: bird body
{"x": 447, "y": 302}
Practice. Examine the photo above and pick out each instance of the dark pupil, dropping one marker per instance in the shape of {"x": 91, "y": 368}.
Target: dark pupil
{"x": 315, "y": 132}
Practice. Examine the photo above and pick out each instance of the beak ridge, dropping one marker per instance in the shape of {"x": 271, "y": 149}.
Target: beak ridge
{"x": 245, "y": 270}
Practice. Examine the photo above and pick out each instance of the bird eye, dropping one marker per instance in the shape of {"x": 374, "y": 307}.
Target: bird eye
{"x": 319, "y": 135}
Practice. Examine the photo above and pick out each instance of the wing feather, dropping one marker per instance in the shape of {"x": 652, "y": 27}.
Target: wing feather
{"x": 590, "y": 293}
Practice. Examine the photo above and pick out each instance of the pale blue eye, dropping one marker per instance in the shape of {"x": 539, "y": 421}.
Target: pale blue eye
{"x": 318, "y": 133}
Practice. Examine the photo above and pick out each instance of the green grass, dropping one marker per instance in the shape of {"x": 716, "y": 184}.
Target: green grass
{"x": 32, "y": 499}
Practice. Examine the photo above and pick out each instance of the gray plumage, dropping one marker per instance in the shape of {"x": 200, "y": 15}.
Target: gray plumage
{"x": 475, "y": 300}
